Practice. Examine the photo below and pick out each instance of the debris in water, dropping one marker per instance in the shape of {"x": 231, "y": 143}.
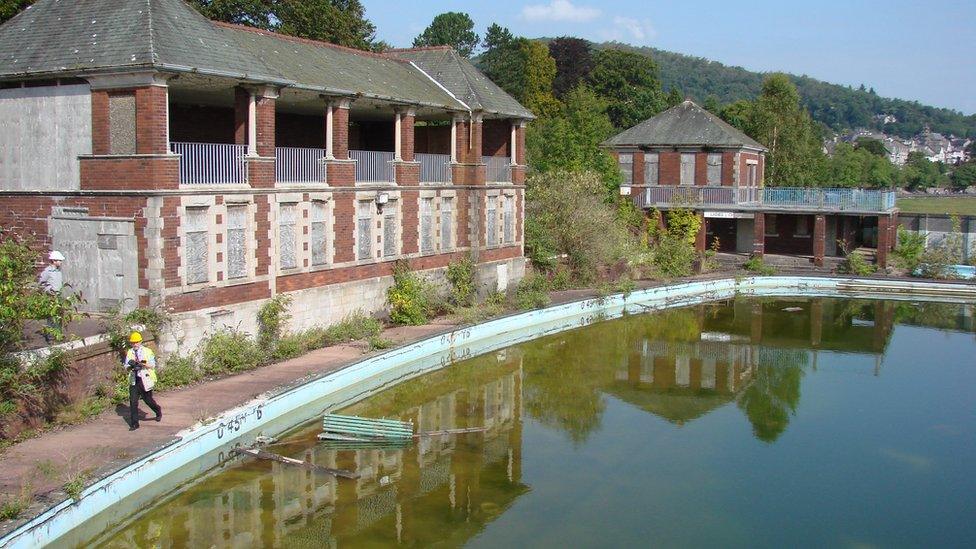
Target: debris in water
{"x": 793, "y": 309}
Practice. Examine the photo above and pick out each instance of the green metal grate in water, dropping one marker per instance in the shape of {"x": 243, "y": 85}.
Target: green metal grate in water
{"x": 354, "y": 428}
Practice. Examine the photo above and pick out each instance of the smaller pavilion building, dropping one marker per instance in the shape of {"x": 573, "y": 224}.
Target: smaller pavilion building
{"x": 687, "y": 157}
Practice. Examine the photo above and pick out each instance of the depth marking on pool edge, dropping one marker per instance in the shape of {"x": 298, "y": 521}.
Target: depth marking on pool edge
{"x": 375, "y": 373}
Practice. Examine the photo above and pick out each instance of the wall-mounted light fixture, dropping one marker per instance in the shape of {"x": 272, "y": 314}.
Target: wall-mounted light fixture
{"x": 381, "y": 200}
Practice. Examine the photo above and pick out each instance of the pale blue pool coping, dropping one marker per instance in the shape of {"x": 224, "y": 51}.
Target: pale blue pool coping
{"x": 202, "y": 447}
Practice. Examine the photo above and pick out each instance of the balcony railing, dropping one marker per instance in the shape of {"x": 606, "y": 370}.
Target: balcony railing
{"x": 299, "y": 165}
{"x": 211, "y": 163}
{"x": 499, "y": 169}
{"x": 373, "y": 166}
{"x": 434, "y": 168}
{"x": 828, "y": 199}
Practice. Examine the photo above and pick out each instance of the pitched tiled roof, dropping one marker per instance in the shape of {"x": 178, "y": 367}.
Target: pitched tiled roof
{"x": 68, "y": 37}
{"x": 467, "y": 83}
{"x": 686, "y": 124}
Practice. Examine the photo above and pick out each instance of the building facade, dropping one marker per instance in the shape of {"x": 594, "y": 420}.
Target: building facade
{"x": 205, "y": 167}
{"x": 687, "y": 157}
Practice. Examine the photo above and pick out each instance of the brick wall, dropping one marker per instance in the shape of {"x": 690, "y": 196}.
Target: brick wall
{"x": 197, "y": 124}
{"x": 432, "y": 139}
{"x": 371, "y": 135}
{"x": 151, "y": 120}
{"x": 637, "y": 175}
{"x": 129, "y": 173}
{"x": 298, "y": 130}
{"x": 669, "y": 168}
{"x": 786, "y": 240}
{"x": 340, "y": 133}
{"x": 101, "y": 143}
{"x": 265, "y": 108}
{"x": 728, "y": 165}
{"x": 407, "y": 139}
{"x": 701, "y": 169}
{"x": 409, "y": 221}
{"x": 520, "y": 144}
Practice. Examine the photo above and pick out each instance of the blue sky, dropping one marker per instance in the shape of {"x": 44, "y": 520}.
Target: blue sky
{"x": 912, "y": 50}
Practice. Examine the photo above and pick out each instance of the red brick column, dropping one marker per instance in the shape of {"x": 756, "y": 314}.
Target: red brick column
{"x": 669, "y": 166}
{"x": 410, "y": 216}
{"x": 520, "y": 144}
{"x": 407, "y": 120}
{"x": 637, "y": 168}
{"x": 819, "y": 239}
{"x": 702, "y": 234}
{"x": 265, "y": 121}
{"x": 101, "y": 143}
{"x": 884, "y": 245}
{"x": 340, "y": 130}
{"x": 701, "y": 169}
{"x": 728, "y": 167}
{"x": 759, "y": 234}
{"x": 152, "y": 120}
{"x": 345, "y": 223}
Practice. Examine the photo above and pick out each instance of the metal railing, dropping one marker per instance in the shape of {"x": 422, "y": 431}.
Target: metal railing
{"x": 499, "y": 169}
{"x": 299, "y": 165}
{"x": 434, "y": 168}
{"x": 373, "y": 166}
{"x": 211, "y": 163}
{"x": 827, "y": 199}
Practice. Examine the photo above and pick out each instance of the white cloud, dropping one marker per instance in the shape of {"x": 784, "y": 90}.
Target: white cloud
{"x": 629, "y": 29}
{"x": 559, "y": 10}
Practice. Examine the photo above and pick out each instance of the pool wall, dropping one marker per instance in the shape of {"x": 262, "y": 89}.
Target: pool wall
{"x": 201, "y": 448}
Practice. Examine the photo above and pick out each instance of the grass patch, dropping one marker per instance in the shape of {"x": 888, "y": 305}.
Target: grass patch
{"x": 11, "y": 507}
{"x": 948, "y": 205}
{"x": 378, "y": 343}
{"x": 756, "y": 265}
{"x": 76, "y": 484}
{"x": 354, "y": 327}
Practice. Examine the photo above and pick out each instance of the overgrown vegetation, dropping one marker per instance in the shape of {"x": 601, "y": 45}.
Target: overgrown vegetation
{"x": 755, "y": 264}
{"x": 937, "y": 261}
{"x": 118, "y": 326}
{"x": 908, "y": 253}
{"x": 854, "y": 263}
{"x": 13, "y": 505}
{"x": 674, "y": 252}
{"x": 532, "y": 292}
{"x": 461, "y": 276}
{"x": 411, "y": 298}
{"x": 272, "y": 317}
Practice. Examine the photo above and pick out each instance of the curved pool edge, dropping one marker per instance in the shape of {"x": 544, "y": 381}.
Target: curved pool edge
{"x": 277, "y": 411}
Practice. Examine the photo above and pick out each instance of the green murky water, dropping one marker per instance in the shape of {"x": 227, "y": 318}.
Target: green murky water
{"x": 748, "y": 423}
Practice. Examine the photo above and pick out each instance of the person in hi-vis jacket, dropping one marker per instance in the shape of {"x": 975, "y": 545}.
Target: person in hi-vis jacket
{"x": 140, "y": 361}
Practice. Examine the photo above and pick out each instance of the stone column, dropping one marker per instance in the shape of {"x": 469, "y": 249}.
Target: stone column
{"x": 819, "y": 239}
{"x": 759, "y": 234}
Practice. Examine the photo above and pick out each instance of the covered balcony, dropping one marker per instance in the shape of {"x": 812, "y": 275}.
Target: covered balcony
{"x": 499, "y": 139}
{"x": 778, "y": 198}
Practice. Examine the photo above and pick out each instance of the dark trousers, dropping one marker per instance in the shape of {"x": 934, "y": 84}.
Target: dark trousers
{"x": 135, "y": 393}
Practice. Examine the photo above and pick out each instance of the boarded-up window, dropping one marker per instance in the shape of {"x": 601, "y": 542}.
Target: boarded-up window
{"x": 197, "y": 231}
{"x": 236, "y": 241}
{"x": 509, "y": 219}
{"x": 751, "y": 180}
{"x": 317, "y": 233}
{"x": 287, "y": 217}
{"x": 426, "y": 225}
{"x": 770, "y": 225}
{"x": 447, "y": 224}
{"x": 626, "y": 164}
{"x": 390, "y": 240}
{"x": 364, "y": 225}
{"x": 122, "y": 123}
{"x": 688, "y": 169}
{"x": 715, "y": 169}
{"x": 802, "y": 226}
{"x": 651, "y": 163}
{"x": 491, "y": 217}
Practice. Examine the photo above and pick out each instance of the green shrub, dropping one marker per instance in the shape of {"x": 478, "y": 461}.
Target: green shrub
{"x": 908, "y": 252}
{"x": 410, "y": 297}
{"x": 229, "y": 351}
{"x": 756, "y": 265}
{"x": 461, "y": 276}
{"x": 177, "y": 371}
{"x": 854, "y": 263}
{"x": 560, "y": 279}
{"x": 118, "y": 326}
{"x": 376, "y": 343}
{"x": 354, "y": 327}
{"x": 12, "y": 506}
{"x": 272, "y": 318}
{"x": 532, "y": 292}
{"x": 75, "y": 485}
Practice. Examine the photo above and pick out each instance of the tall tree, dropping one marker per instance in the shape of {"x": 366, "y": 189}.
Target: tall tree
{"x": 10, "y": 8}
{"x": 674, "y": 97}
{"x": 571, "y": 139}
{"x": 253, "y": 13}
{"x": 521, "y": 67}
{"x": 779, "y": 122}
{"x": 574, "y": 62}
{"x": 871, "y": 145}
{"x": 341, "y": 22}
{"x": 497, "y": 36}
{"x": 629, "y": 82}
{"x": 712, "y": 105}
{"x": 453, "y": 29}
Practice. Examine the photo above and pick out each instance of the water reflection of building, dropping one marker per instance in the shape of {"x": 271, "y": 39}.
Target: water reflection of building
{"x": 684, "y": 377}
{"x": 442, "y": 489}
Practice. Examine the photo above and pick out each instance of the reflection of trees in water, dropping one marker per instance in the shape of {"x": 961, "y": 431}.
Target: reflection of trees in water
{"x": 567, "y": 373}
{"x": 944, "y": 316}
{"x": 774, "y": 393}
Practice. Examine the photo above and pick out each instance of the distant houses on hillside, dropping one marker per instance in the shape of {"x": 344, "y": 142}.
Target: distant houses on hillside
{"x": 935, "y": 146}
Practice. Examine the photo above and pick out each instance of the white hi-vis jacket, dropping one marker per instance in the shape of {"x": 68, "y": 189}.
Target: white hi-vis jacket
{"x": 148, "y": 372}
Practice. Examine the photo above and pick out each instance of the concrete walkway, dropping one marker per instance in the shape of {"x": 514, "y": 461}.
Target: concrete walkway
{"x": 104, "y": 444}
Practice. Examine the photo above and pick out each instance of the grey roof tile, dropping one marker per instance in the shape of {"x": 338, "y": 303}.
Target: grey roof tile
{"x": 686, "y": 124}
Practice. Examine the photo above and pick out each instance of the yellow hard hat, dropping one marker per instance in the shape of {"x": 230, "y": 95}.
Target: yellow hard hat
{"x": 135, "y": 337}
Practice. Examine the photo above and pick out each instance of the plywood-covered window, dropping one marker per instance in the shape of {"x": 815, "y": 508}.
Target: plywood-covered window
{"x": 197, "y": 234}
{"x": 122, "y": 123}
{"x": 447, "y": 224}
{"x": 626, "y": 163}
{"x": 287, "y": 220}
{"x": 491, "y": 221}
{"x": 651, "y": 171}
{"x": 318, "y": 233}
{"x": 714, "y": 169}
{"x": 391, "y": 238}
{"x": 364, "y": 233}
{"x": 236, "y": 241}
{"x": 688, "y": 168}
{"x": 508, "y": 219}
{"x": 427, "y": 225}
